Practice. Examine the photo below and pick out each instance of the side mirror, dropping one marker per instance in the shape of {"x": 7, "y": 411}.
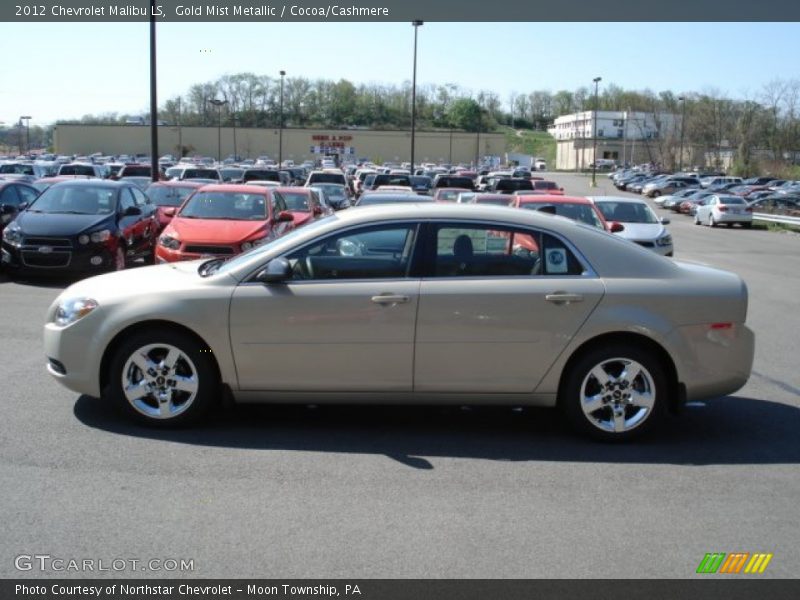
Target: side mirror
{"x": 317, "y": 210}
{"x": 277, "y": 270}
{"x": 616, "y": 227}
{"x": 664, "y": 220}
{"x": 7, "y": 209}
{"x": 170, "y": 212}
{"x": 132, "y": 211}
{"x": 284, "y": 217}
{"x": 22, "y": 206}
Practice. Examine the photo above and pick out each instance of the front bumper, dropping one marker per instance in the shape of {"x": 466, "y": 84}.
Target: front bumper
{"x": 46, "y": 259}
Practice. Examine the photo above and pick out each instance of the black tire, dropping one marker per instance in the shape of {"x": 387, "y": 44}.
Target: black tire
{"x": 192, "y": 358}
{"x": 747, "y": 225}
{"x": 652, "y": 377}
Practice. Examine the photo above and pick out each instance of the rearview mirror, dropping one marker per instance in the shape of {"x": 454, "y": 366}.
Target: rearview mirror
{"x": 277, "y": 270}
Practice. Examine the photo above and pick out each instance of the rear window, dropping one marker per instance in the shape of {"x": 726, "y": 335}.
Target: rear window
{"x": 200, "y": 174}
{"x": 731, "y": 200}
{"x": 260, "y": 175}
{"x": 327, "y": 178}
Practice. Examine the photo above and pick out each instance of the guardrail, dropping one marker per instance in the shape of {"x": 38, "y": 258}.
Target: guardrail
{"x": 784, "y": 219}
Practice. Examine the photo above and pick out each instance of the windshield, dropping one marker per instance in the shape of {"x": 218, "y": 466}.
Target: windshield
{"x": 232, "y": 206}
{"x": 161, "y": 195}
{"x": 16, "y": 169}
{"x": 333, "y": 191}
{"x": 76, "y": 200}
{"x": 627, "y": 212}
{"x": 295, "y": 200}
{"x": 76, "y": 170}
{"x": 577, "y": 212}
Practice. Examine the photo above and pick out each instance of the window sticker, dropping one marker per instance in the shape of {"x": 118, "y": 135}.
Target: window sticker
{"x": 556, "y": 260}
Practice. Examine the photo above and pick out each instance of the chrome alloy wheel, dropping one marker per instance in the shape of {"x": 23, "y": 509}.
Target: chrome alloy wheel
{"x": 618, "y": 395}
{"x": 160, "y": 381}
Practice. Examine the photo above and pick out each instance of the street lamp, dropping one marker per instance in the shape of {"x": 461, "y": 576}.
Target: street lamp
{"x": 596, "y": 80}
{"x": 235, "y": 154}
{"x": 219, "y": 104}
{"x": 416, "y": 24}
{"x": 280, "y": 130}
{"x": 683, "y": 124}
{"x": 27, "y": 120}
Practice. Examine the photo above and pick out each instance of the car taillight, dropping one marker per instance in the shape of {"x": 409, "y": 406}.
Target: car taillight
{"x": 721, "y": 326}
{"x": 749, "y": 209}
{"x": 722, "y": 208}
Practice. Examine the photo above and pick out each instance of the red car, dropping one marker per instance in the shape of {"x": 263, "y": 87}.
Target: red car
{"x": 573, "y": 207}
{"x": 302, "y": 203}
{"x": 550, "y": 187}
{"x": 168, "y": 197}
{"x": 223, "y": 220}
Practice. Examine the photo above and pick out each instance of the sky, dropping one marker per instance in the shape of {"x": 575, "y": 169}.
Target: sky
{"x": 54, "y": 71}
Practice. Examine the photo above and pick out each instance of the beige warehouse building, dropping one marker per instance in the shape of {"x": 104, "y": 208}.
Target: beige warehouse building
{"x": 298, "y": 144}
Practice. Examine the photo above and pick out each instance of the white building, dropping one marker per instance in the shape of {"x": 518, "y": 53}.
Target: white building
{"x": 622, "y": 137}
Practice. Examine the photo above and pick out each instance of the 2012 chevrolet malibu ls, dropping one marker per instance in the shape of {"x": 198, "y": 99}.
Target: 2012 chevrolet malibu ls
{"x": 432, "y": 303}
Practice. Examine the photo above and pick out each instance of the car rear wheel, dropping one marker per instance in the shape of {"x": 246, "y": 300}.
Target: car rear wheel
{"x": 747, "y": 225}
{"x": 163, "y": 378}
{"x": 614, "y": 392}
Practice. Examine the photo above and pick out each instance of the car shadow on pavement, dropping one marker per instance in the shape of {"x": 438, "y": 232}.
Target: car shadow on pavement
{"x": 724, "y": 431}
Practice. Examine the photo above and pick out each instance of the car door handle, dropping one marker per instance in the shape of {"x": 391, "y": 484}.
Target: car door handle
{"x": 563, "y": 298}
{"x": 390, "y": 299}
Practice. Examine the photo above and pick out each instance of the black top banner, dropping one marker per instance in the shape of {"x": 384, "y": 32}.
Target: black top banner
{"x": 400, "y": 10}
{"x": 408, "y": 589}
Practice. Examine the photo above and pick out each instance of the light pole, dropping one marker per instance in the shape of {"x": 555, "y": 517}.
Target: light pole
{"x": 280, "y": 130}
{"x": 596, "y": 80}
{"x": 235, "y": 154}
{"x": 683, "y": 125}
{"x": 416, "y": 24}
{"x": 219, "y": 104}
{"x": 154, "y": 173}
{"x": 27, "y": 120}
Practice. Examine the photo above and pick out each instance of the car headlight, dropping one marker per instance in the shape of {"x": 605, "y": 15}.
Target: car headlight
{"x": 100, "y": 236}
{"x": 664, "y": 240}
{"x": 169, "y": 242}
{"x": 11, "y": 235}
{"x": 73, "y": 309}
{"x": 246, "y": 246}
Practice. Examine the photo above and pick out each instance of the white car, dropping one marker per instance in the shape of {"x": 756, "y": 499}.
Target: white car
{"x": 540, "y": 165}
{"x": 642, "y": 226}
{"x": 724, "y": 209}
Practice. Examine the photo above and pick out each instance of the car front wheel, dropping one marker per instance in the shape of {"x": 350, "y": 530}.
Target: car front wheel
{"x": 614, "y": 392}
{"x": 163, "y": 378}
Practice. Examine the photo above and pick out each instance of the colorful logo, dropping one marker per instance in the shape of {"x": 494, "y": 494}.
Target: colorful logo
{"x": 734, "y": 563}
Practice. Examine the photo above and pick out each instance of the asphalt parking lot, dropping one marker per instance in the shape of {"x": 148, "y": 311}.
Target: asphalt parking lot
{"x": 375, "y": 492}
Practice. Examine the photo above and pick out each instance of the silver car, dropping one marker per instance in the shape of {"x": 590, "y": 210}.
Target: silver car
{"x": 642, "y": 226}
{"x": 434, "y": 303}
